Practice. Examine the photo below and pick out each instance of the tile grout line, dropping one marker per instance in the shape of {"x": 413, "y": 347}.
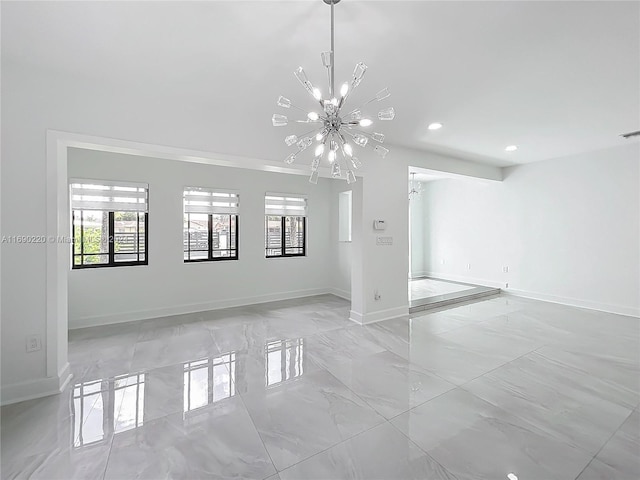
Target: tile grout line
{"x": 605, "y": 444}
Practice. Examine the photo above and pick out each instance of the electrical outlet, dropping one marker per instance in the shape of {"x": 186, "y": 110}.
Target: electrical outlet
{"x": 376, "y": 295}
{"x": 468, "y": 266}
{"x": 34, "y": 343}
{"x": 506, "y": 285}
{"x": 505, "y": 269}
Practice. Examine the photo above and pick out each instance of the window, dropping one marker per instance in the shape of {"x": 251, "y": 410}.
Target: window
{"x": 110, "y": 223}
{"x": 344, "y": 216}
{"x": 210, "y": 225}
{"x": 285, "y": 225}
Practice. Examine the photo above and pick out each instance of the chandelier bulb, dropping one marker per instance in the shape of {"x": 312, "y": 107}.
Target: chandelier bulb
{"x": 348, "y": 150}
{"x": 366, "y": 122}
{"x": 344, "y": 89}
{"x": 332, "y": 156}
{"x": 317, "y": 94}
{"x": 313, "y": 116}
{"x": 320, "y": 150}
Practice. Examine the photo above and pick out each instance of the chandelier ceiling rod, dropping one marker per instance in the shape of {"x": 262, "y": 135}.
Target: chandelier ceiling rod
{"x": 332, "y": 85}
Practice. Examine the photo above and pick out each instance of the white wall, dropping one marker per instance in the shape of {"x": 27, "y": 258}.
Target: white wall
{"x": 168, "y": 285}
{"x": 567, "y": 229}
{"x": 419, "y": 241}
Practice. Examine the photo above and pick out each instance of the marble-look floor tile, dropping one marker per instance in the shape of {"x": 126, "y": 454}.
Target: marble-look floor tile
{"x": 302, "y": 418}
{"x": 114, "y": 359}
{"x": 83, "y": 464}
{"x": 34, "y": 427}
{"x": 621, "y": 454}
{"x": 388, "y": 382}
{"x": 218, "y": 441}
{"x": 162, "y": 352}
{"x": 171, "y": 326}
{"x": 393, "y": 335}
{"x": 476, "y": 440}
{"x": 341, "y": 344}
{"x": 615, "y": 371}
{"x": 461, "y": 355}
{"x": 377, "y": 454}
{"x": 571, "y": 406}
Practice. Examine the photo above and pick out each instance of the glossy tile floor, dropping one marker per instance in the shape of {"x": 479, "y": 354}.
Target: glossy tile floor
{"x": 431, "y": 287}
{"x": 293, "y": 390}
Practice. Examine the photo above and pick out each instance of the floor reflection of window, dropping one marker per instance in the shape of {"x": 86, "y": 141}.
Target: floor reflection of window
{"x": 88, "y": 411}
{"x": 285, "y": 360}
{"x": 129, "y": 401}
{"x": 104, "y": 407}
{"x": 209, "y": 380}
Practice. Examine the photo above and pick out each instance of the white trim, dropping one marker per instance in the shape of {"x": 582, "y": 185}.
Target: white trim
{"x": 379, "y": 316}
{"x": 482, "y": 282}
{"x": 545, "y": 297}
{"x": 338, "y": 292}
{"x": 42, "y": 387}
{"x": 574, "y": 302}
{"x": 192, "y": 308}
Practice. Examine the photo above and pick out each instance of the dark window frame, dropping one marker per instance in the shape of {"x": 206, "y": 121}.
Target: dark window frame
{"x": 111, "y": 253}
{"x": 283, "y": 236}
{"x": 210, "y": 249}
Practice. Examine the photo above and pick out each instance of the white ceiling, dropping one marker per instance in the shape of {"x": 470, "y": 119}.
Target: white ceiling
{"x": 555, "y": 78}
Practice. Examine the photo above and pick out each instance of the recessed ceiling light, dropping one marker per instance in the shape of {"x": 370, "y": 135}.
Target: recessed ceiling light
{"x": 511, "y": 148}
{"x": 435, "y": 126}
{"x": 512, "y": 476}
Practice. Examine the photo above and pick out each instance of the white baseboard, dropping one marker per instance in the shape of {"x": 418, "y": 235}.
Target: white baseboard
{"x": 379, "y": 316}
{"x": 41, "y": 387}
{"x": 340, "y": 293}
{"x": 575, "y": 302}
{"x": 465, "y": 279}
{"x": 192, "y": 308}
{"x": 420, "y": 274}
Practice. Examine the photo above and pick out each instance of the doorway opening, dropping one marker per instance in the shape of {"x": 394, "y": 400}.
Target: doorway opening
{"x": 436, "y": 277}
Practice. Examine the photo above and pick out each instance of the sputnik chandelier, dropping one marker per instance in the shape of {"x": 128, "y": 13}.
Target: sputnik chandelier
{"x": 334, "y": 130}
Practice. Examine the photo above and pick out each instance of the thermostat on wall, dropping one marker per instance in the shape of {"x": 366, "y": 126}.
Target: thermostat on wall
{"x": 379, "y": 225}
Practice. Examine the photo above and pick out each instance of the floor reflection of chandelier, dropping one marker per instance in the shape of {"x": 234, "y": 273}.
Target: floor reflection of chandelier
{"x": 335, "y": 132}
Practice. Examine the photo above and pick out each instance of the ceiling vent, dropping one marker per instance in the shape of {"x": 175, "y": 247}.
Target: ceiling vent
{"x": 630, "y": 134}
